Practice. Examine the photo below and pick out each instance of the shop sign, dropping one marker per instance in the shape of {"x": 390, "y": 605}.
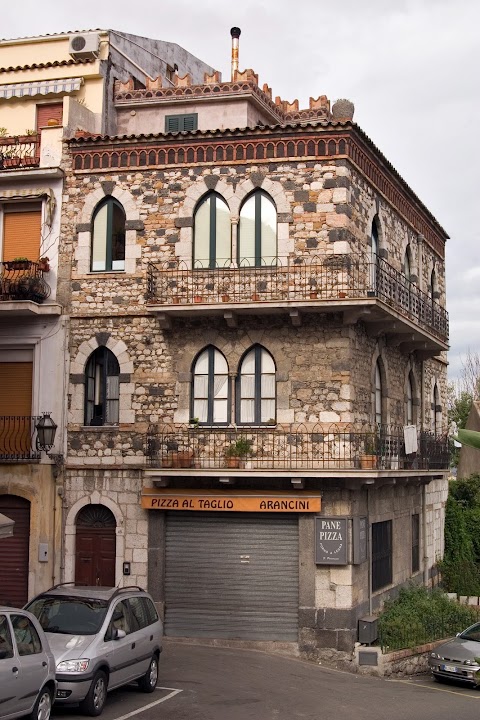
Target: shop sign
{"x": 232, "y": 503}
{"x": 331, "y": 541}
{"x": 360, "y": 538}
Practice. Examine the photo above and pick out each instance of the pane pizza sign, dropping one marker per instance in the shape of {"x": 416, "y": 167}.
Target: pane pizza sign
{"x": 331, "y": 541}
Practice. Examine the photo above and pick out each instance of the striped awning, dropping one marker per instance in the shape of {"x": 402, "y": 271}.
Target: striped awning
{"x": 40, "y": 87}
{"x": 33, "y": 194}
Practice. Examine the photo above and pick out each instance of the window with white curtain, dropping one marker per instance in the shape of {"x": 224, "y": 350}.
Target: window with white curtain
{"x": 210, "y": 396}
{"x": 257, "y": 234}
{"x": 212, "y": 233}
{"x": 108, "y": 236}
{"x": 256, "y": 388}
{"x": 102, "y": 388}
{"x": 378, "y": 394}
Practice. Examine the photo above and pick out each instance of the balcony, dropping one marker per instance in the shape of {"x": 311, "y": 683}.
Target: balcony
{"x": 375, "y": 292}
{"x": 23, "y": 289}
{"x": 344, "y": 451}
{"x": 18, "y": 438}
{"x": 19, "y": 152}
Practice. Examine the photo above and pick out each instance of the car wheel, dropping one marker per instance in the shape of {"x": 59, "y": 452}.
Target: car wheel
{"x": 96, "y": 697}
{"x": 43, "y": 705}
{"x": 148, "y": 682}
{"x": 438, "y": 678}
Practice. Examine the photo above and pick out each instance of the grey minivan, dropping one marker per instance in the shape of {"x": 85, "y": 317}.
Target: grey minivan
{"x": 101, "y": 638}
{"x": 27, "y": 667}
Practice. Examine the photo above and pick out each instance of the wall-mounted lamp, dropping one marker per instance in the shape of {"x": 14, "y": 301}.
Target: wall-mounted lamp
{"x": 46, "y": 429}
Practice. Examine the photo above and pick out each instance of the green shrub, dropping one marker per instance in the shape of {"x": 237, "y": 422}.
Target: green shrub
{"x": 418, "y": 616}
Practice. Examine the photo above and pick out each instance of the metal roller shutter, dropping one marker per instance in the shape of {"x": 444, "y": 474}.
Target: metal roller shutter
{"x": 14, "y": 552}
{"x": 232, "y": 576}
{"x": 21, "y": 233}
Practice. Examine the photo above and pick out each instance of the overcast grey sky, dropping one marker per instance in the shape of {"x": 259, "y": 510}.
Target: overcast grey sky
{"x": 412, "y": 68}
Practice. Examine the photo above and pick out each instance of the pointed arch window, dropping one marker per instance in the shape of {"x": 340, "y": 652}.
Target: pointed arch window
{"x": 210, "y": 394}
{"x": 256, "y": 388}
{"x": 108, "y": 236}
{"x": 102, "y": 388}
{"x": 378, "y": 394}
{"x": 436, "y": 412}
{"x": 257, "y": 241}
{"x": 433, "y": 286}
{"x": 409, "y": 400}
{"x": 407, "y": 266}
{"x": 212, "y": 233}
{"x": 374, "y": 250}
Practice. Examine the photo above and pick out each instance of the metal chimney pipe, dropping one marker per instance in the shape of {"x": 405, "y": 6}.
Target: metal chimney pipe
{"x": 235, "y": 33}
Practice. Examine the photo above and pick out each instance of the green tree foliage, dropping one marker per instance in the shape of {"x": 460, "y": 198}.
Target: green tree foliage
{"x": 461, "y": 564}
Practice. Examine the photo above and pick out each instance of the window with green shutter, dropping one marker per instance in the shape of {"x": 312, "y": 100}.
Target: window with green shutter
{"x": 177, "y": 123}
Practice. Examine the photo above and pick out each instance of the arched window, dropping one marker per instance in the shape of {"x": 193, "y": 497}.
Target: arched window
{"x": 407, "y": 266}
{"x": 436, "y": 412}
{"x": 256, "y": 388}
{"x": 257, "y": 241}
{"x": 212, "y": 233}
{"x": 374, "y": 249}
{"x": 108, "y": 236}
{"x": 378, "y": 394}
{"x": 409, "y": 400}
{"x": 210, "y": 395}
{"x": 433, "y": 286}
{"x": 102, "y": 388}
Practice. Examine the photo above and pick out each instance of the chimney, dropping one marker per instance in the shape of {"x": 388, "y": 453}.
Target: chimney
{"x": 235, "y": 33}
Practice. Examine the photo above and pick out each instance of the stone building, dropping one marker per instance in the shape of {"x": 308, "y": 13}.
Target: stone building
{"x": 50, "y": 86}
{"x": 257, "y": 364}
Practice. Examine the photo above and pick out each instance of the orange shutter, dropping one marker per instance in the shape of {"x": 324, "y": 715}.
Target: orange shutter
{"x": 21, "y": 234}
{"x": 16, "y": 388}
{"x": 16, "y": 401}
{"x": 53, "y": 111}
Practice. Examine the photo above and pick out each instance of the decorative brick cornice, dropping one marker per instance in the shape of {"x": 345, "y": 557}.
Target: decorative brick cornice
{"x": 314, "y": 141}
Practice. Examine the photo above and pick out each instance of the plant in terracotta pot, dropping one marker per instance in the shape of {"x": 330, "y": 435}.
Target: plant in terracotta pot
{"x": 19, "y": 263}
{"x": 44, "y": 264}
{"x": 368, "y": 459}
{"x": 237, "y": 450}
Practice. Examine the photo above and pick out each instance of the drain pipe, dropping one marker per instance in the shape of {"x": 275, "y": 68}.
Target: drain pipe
{"x": 369, "y": 554}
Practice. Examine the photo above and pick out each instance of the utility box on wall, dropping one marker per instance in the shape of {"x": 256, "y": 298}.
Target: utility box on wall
{"x": 367, "y": 629}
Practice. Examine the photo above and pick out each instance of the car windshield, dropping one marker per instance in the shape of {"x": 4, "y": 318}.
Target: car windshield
{"x": 472, "y": 633}
{"x": 69, "y": 615}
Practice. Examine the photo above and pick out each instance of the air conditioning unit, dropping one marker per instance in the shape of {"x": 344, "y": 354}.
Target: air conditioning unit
{"x": 84, "y": 46}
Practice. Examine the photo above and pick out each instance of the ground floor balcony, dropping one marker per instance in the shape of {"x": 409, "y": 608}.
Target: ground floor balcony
{"x": 299, "y": 451}
{"x": 349, "y": 283}
{"x": 18, "y": 438}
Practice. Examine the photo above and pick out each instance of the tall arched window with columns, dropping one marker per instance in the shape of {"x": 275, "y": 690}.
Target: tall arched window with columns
{"x": 212, "y": 245}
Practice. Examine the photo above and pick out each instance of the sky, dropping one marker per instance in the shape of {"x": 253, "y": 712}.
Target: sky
{"x": 411, "y": 67}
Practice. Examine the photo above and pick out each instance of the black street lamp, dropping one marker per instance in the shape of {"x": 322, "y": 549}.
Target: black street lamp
{"x": 46, "y": 429}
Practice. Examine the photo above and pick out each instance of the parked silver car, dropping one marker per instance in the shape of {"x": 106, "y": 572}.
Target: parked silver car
{"x": 101, "y": 638}
{"x": 459, "y": 658}
{"x": 27, "y": 667}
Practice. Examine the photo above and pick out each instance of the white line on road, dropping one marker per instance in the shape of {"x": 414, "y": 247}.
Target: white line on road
{"x": 173, "y": 692}
{"x": 434, "y": 688}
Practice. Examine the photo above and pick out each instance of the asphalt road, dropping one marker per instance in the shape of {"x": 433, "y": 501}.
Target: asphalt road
{"x": 206, "y": 683}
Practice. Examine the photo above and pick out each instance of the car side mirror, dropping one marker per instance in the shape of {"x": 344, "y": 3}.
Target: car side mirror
{"x": 119, "y": 634}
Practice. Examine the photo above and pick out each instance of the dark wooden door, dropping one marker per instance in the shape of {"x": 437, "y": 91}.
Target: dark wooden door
{"x": 95, "y": 547}
{"x": 14, "y": 552}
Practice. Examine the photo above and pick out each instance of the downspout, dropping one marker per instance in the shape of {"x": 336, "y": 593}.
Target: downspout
{"x": 369, "y": 554}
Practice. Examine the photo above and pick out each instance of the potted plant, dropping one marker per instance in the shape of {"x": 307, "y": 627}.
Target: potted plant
{"x": 237, "y": 450}
{"x": 44, "y": 264}
{"x": 19, "y": 263}
{"x": 368, "y": 459}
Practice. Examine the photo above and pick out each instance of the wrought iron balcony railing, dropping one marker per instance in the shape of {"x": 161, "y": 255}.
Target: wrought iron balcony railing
{"x": 22, "y": 280}
{"x": 291, "y": 448}
{"x": 19, "y": 152}
{"x": 18, "y": 438}
{"x": 313, "y": 278}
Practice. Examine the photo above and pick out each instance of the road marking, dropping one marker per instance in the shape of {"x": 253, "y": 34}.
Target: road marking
{"x": 437, "y": 689}
{"x": 174, "y": 691}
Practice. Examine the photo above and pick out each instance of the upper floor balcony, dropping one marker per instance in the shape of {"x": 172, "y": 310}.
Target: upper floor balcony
{"x": 18, "y": 436}
{"x": 356, "y": 285}
{"x": 19, "y": 152}
{"x": 23, "y": 289}
{"x": 297, "y": 451}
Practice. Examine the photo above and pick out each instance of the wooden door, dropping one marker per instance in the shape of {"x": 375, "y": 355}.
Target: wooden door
{"x": 14, "y": 552}
{"x": 95, "y": 547}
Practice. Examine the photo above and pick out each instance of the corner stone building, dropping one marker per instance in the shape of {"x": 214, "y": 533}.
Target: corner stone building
{"x": 255, "y": 316}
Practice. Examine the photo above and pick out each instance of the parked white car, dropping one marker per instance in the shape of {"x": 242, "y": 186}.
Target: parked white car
{"x": 27, "y": 667}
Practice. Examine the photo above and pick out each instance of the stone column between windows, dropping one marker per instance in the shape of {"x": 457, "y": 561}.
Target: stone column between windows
{"x": 232, "y": 409}
{"x": 234, "y": 221}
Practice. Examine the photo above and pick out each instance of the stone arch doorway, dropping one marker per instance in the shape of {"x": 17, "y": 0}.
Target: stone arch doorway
{"x": 95, "y": 546}
{"x": 14, "y": 552}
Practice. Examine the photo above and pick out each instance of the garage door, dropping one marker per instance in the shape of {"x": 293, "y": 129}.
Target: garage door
{"x": 14, "y": 552}
{"x": 232, "y": 576}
